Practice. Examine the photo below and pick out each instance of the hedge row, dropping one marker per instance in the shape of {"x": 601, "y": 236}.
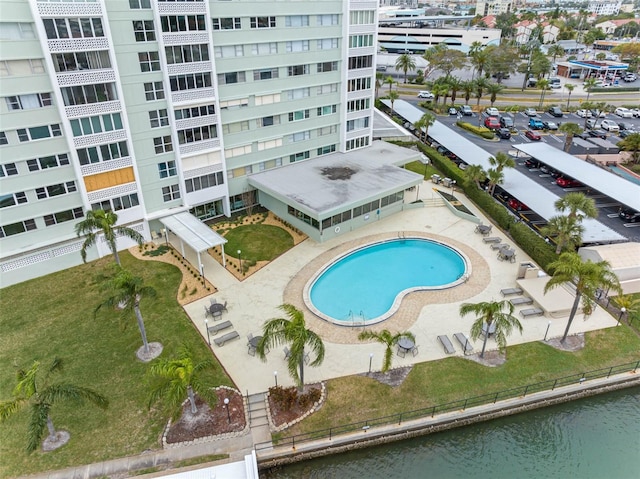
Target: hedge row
{"x": 477, "y": 130}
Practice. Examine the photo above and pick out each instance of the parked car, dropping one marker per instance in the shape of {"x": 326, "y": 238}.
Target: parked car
{"x": 625, "y": 133}
{"x": 491, "y": 122}
{"x": 595, "y": 113}
{"x": 426, "y": 94}
{"x": 550, "y": 171}
{"x": 506, "y": 122}
{"x": 629, "y": 215}
{"x": 568, "y": 182}
{"x": 555, "y": 111}
{"x": 532, "y": 135}
{"x": 583, "y": 113}
{"x": 623, "y": 125}
{"x": 530, "y": 112}
{"x": 624, "y": 112}
{"x": 590, "y": 123}
{"x": 452, "y": 111}
{"x": 466, "y": 110}
{"x": 549, "y": 125}
{"x": 598, "y": 134}
{"x": 531, "y": 163}
{"x": 629, "y": 77}
{"x": 535, "y": 124}
{"x": 636, "y": 112}
{"x": 609, "y": 125}
{"x": 503, "y": 133}
{"x": 491, "y": 111}
{"x": 517, "y": 205}
{"x": 554, "y": 83}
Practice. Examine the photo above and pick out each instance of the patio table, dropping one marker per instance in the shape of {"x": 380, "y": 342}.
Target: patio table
{"x": 406, "y": 344}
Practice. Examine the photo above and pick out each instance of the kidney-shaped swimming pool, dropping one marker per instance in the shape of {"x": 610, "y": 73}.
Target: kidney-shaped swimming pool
{"x": 367, "y": 284}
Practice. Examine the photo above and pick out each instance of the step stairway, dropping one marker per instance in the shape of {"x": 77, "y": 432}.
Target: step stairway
{"x": 435, "y": 201}
{"x": 258, "y": 422}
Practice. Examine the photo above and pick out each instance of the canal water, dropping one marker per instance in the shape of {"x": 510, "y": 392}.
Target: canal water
{"x": 596, "y": 437}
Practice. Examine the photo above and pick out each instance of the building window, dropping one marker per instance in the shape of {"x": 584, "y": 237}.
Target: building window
{"x": 187, "y": 53}
{"x": 36, "y": 66}
{"x": 357, "y": 143}
{"x": 364, "y": 61}
{"x": 268, "y": 121}
{"x": 28, "y": 102}
{"x": 357, "y": 84}
{"x": 263, "y": 22}
{"x": 266, "y": 74}
{"x": 328, "y": 19}
{"x": 8, "y": 169}
{"x": 357, "y": 105}
{"x": 74, "y": 61}
{"x": 200, "y": 133}
{"x": 327, "y": 67}
{"x": 303, "y": 155}
{"x": 62, "y": 216}
{"x": 138, "y": 4}
{"x": 359, "y": 41}
{"x": 17, "y": 228}
{"x": 270, "y": 48}
{"x": 231, "y": 78}
{"x": 296, "y": 21}
{"x": 144, "y": 31}
{"x": 327, "y": 110}
{"x": 325, "y": 150}
{"x": 163, "y": 144}
{"x": 229, "y": 51}
{"x": 55, "y": 190}
{"x": 183, "y": 23}
{"x": 96, "y": 124}
{"x": 46, "y": 162}
{"x": 202, "y": 182}
{"x": 298, "y": 115}
{"x": 149, "y": 61}
{"x": 73, "y": 28}
{"x": 106, "y": 152}
{"x": 158, "y": 118}
{"x": 190, "y": 82}
{"x": 362, "y": 17}
{"x": 39, "y": 132}
{"x": 327, "y": 43}
{"x": 298, "y": 46}
{"x": 170, "y": 193}
{"x": 300, "y": 136}
{"x": 358, "y": 123}
{"x": 195, "y": 112}
{"x": 117, "y": 204}
{"x": 298, "y": 93}
{"x": 327, "y": 130}
{"x": 85, "y": 94}
{"x": 230, "y": 23}
{"x": 167, "y": 168}
{"x": 12, "y": 199}
{"x": 326, "y": 89}
{"x": 296, "y": 70}
{"x": 154, "y": 91}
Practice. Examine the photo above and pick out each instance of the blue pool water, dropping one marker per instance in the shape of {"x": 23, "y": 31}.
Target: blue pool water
{"x": 365, "y": 283}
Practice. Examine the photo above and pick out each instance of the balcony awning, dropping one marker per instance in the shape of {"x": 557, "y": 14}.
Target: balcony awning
{"x": 192, "y": 231}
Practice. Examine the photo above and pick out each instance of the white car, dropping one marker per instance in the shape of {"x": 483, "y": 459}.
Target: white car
{"x": 609, "y": 125}
{"x": 426, "y": 94}
{"x": 492, "y": 111}
{"x": 636, "y": 112}
{"x": 583, "y": 113}
{"x": 624, "y": 112}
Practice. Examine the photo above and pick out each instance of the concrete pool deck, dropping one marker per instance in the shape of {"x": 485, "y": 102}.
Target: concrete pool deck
{"x": 426, "y": 314}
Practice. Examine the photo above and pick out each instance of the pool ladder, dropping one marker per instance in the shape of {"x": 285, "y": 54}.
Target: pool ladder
{"x": 401, "y": 235}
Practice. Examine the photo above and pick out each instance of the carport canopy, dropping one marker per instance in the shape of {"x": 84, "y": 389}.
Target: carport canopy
{"x": 190, "y": 230}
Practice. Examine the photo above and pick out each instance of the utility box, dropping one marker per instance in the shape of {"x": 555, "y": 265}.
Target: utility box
{"x": 582, "y": 147}
{"x": 447, "y": 182}
{"x": 435, "y": 179}
{"x": 527, "y": 271}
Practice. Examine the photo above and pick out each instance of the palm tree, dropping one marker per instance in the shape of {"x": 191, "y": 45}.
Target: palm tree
{"x": 128, "y": 290}
{"x": 495, "y": 177}
{"x": 566, "y": 232}
{"x": 379, "y": 79}
{"x": 543, "y": 85}
{"x": 100, "y": 221}
{"x": 42, "y": 396}
{"x": 406, "y": 63}
{"x": 455, "y": 84}
{"x": 438, "y": 90}
{"x": 479, "y": 61}
{"x": 627, "y": 302}
{"x": 173, "y": 379}
{"x": 502, "y": 161}
{"x": 493, "y": 89}
{"x": 488, "y": 313}
{"x": 393, "y": 96}
{"x": 570, "y": 130}
{"x": 570, "y": 87}
{"x": 632, "y": 143}
{"x": 588, "y": 85}
{"x": 578, "y": 204}
{"x": 294, "y": 332}
{"x": 476, "y": 174}
{"x": 555, "y": 50}
{"x": 467, "y": 87}
{"x": 475, "y": 47}
{"x": 586, "y": 276}
{"x": 480, "y": 86}
{"x": 389, "y": 340}
{"x": 423, "y": 124}
{"x": 390, "y": 81}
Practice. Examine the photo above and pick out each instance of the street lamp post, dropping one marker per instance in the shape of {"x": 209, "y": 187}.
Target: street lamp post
{"x": 622, "y": 311}
{"x": 275, "y": 376}
{"x": 206, "y": 326}
{"x": 240, "y": 259}
{"x": 547, "y": 331}
{"x": 226, "y": 404}
{"x": 370, "y": 359}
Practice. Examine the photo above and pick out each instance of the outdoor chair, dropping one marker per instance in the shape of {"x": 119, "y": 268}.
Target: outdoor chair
{"x": 446, "y": 344}
{"x": 216, "y": 328}
{"x": 414, "y": 351}
{"x": 225, "y": 338}
{"x": 224, "y": 307}
{"x": 525, "y": 313}
{"x": 287, "y": 353}
{"x": 401, "y": 352}
{"x": 499, "y": 246}
{"x": 510, "y": 291}
{"x": 212, "y": 301}
{"x": 462, "y": 338}
{"x": 206, "y": 311}
{"x": 521, "y": 301}
{"x": 491, "y": 239}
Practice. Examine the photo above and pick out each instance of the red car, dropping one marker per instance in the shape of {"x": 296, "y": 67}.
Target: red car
{"x": 532, "y": 135}
{"x": 568, "y": 182}
{"x": 492, "y": 123}
{"x": 517, "y": 205}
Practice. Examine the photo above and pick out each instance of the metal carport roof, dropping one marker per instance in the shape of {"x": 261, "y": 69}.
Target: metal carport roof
{"x": 589, "y": 174}
{"x": 192, "y": 231}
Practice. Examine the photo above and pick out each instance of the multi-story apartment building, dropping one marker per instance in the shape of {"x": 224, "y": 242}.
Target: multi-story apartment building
{"x": 604, "y": 7}
{"x": 152, "y": 107}
{"x": 493, "y": 7}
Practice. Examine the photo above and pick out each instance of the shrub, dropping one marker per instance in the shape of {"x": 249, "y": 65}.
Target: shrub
{"x": 534, "y": 245}
{"x": 477, "y": 130}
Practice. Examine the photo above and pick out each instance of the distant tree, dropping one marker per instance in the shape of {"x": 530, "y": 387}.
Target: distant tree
{"x": 570, "y": 87}
{"x": 423, "y": 124}
{"x": 601, "y": 56}
{"x": 379, "y": 80}
{"x": 389, "y": 340}
{"x": 389, "y": 81}
{"x": 475, "y": 174}
{"x": 555, "y": 50}
{"x": 566, "y": 232}
{"x": 100, "y": 221}
{"x": 543, "y": 85}
{"x": 501, "y": 161}
{"x": 570, "y": 130}
{"x": 475, "y": 47}
{"x": 393, "y": 96}
{"x": 432, "y": 55}
{"x": 578, "y": 205}
{"x": 503, "y": 60}
{"x": 480, "y": 85}
{"x": 495, "y": 177}
{"x": 438, "y": 90}
{"x": 467, "y": 87}
{"x": 455, "y": 84}
{"x": 632, "y": 144}
{"x": 479, "y": 61}
{"x": 42, "y": 396}
{"x": 630, "y": 304}
{"x": 540, "y": 64}
{"x": 405, "y": 63}
{"x": 447, "y": 60}
{"x": 492, "y": 313}
{"x": 587, "y": 278}
{"x": 493, "y": 89}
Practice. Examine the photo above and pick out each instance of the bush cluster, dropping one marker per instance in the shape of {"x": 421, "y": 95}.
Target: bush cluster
{"x": 477, "y": 130}
{"x": 286, "y": 398}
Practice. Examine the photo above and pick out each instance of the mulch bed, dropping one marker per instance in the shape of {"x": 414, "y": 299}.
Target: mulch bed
{"x": 281, "y": 416}
{"x": 209, "y": 421}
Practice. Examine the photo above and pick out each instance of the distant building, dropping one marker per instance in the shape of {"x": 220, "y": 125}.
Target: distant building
{"x": 610, "y": 26}
{"x": 493, "y": 7}
{"x": 604, "y": 7}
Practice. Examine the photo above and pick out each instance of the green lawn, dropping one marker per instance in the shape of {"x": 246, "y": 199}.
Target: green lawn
{"x": 358, "y": 398}
{"x": 258, "y": 242}
{"x": 53, "y": 316}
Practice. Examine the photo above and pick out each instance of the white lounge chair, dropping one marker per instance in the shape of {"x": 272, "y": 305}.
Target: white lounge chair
{"x": 446, "y": 344}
